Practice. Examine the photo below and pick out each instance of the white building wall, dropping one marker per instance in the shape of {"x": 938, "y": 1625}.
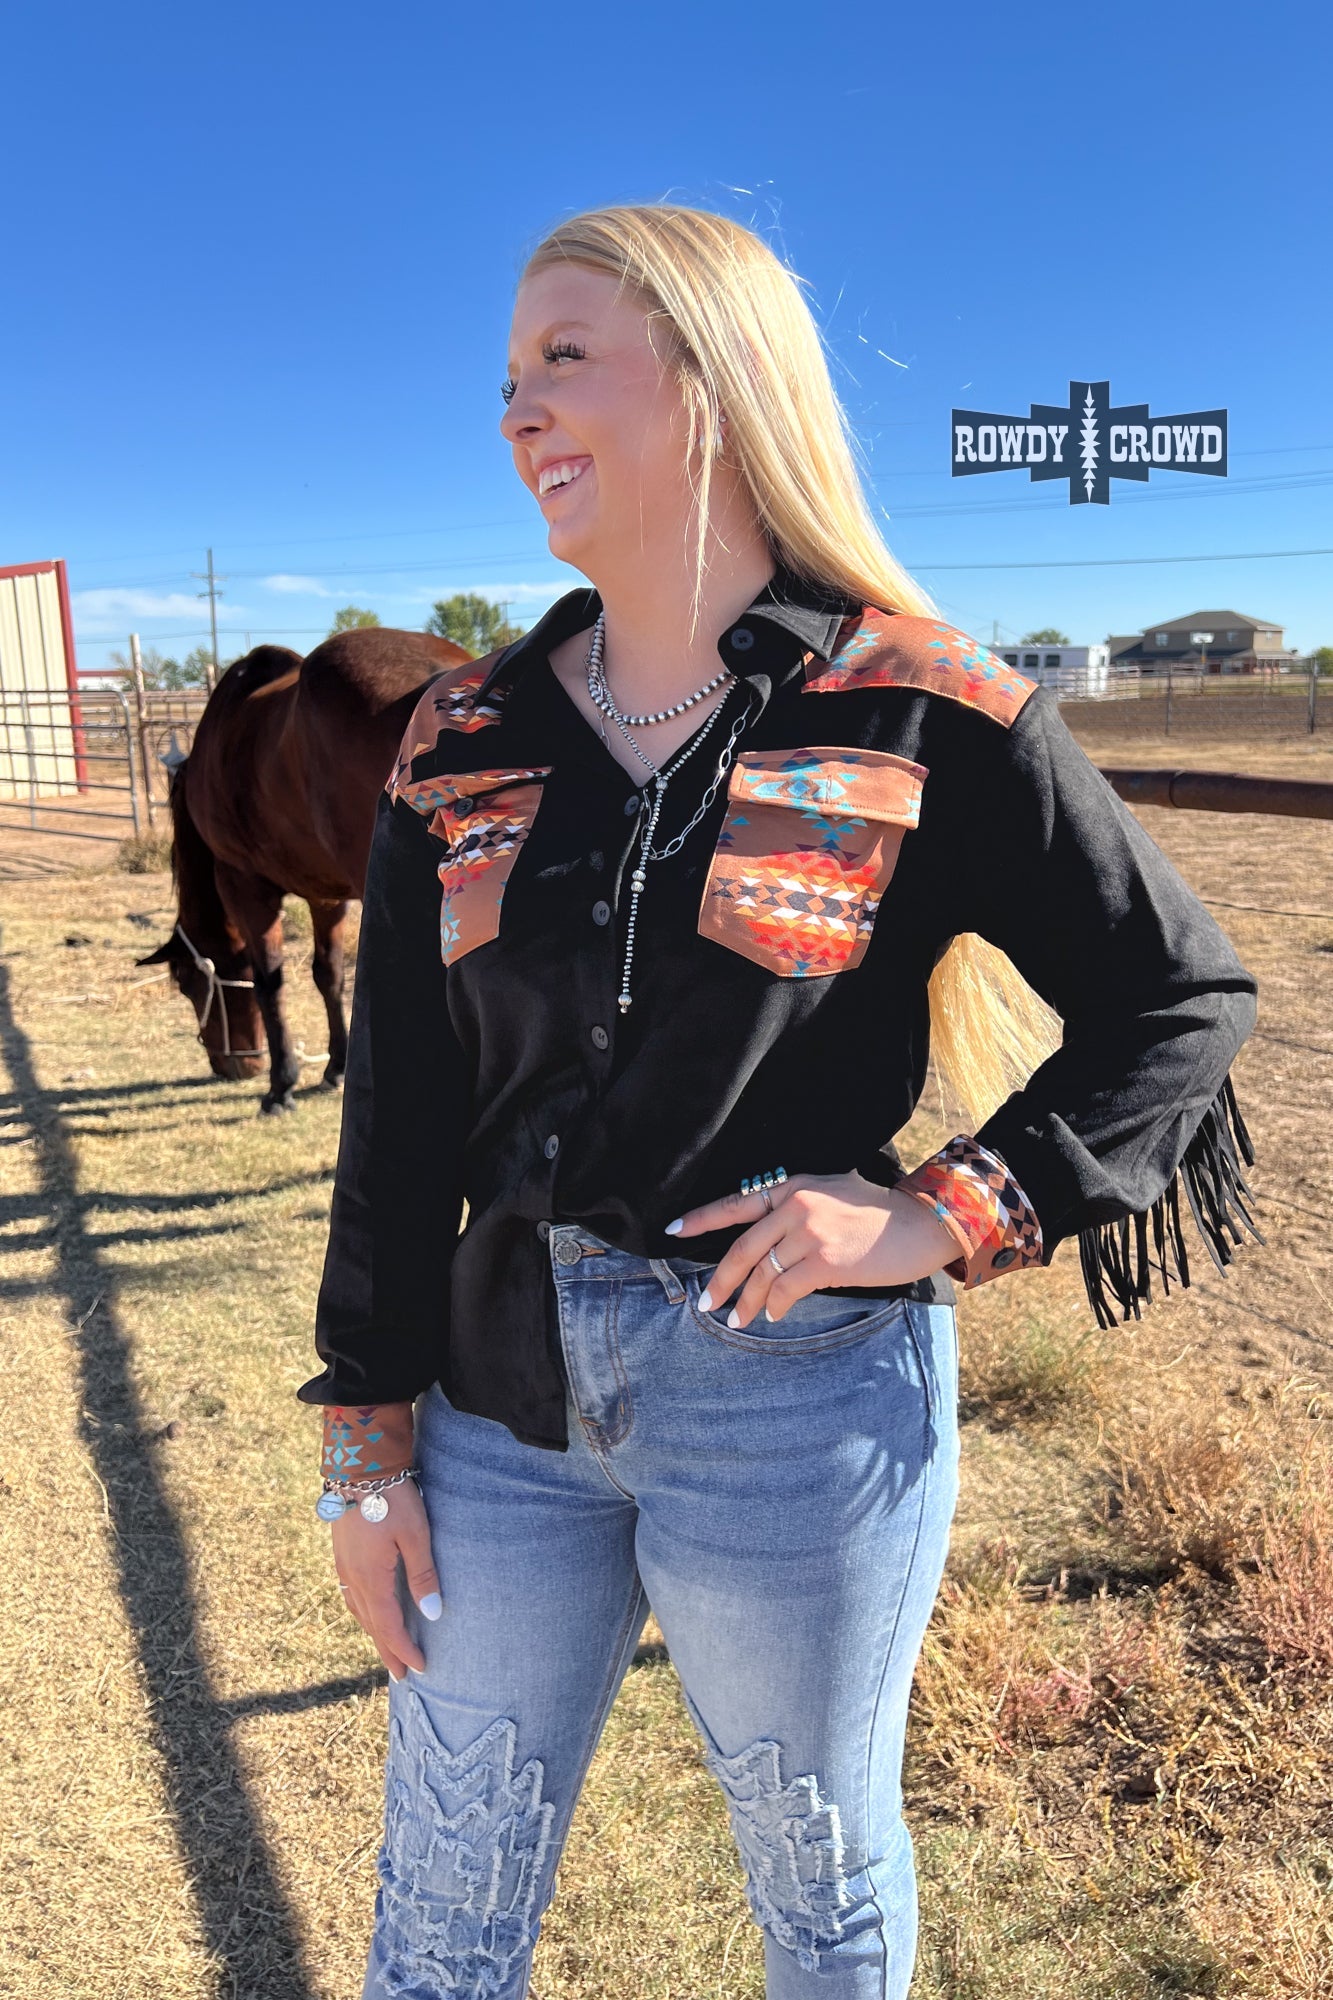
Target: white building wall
{"x": 37, "y": 727}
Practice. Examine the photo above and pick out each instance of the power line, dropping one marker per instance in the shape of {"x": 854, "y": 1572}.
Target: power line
{"x": 458, "y": 528}
{"x": 1015, "y": 503}
{"x": 1115, "y": 562}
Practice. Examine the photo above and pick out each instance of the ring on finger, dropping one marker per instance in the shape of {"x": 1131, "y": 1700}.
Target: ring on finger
{"x": 773, "y": 1260}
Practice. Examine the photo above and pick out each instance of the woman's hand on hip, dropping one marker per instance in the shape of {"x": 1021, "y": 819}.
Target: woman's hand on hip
{"x": 366, "y": 1556}
{"x": 825, "y": 1230}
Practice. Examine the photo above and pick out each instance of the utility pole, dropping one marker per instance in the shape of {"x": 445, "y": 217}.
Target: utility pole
{"x": 212, "y": 594}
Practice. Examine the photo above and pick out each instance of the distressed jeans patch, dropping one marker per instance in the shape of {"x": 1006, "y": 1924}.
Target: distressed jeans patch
{"x": 464, "y": 1861}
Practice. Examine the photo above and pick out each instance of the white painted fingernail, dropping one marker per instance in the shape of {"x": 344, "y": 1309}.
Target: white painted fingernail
{"x": 392, "y": 1675}
{"x": 733, "y": 1318}
{"x": 706, "y": 1302}
{"x": 430, "y": 1605}
{"x": 674, "y": 1228}
{"x": 414, "y": 1670}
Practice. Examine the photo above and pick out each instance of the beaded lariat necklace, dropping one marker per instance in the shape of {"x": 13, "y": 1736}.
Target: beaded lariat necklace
{"x": 638, "y": 880}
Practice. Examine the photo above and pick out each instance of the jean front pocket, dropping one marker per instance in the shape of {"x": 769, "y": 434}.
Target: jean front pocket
{"x": 484, "y": 817}
{"x": 808, "y": 846}
{"x": 816, "y": 1324}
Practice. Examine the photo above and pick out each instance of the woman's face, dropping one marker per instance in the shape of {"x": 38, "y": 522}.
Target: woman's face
{"x": 592, "y": 398}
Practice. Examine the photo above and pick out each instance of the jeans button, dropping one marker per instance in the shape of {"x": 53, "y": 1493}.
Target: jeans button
{"x": 567, "y": 1252}
{"x": 601, "y": 913}
{"x": 552, "y": 1147}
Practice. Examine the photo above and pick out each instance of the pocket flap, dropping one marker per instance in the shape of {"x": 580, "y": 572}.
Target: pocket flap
{"x": 454, "y": 794}
{"x": 832, "y": 783}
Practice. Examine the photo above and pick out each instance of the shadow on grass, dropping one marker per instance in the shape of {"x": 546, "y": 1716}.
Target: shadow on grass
{"x": 248, "y": 1928}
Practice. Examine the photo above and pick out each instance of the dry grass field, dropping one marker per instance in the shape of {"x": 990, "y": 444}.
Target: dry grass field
{"x": 1119, "y": 1768}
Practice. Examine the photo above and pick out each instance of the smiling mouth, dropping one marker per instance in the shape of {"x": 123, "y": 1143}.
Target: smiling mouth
{"x": 572, "y": 471}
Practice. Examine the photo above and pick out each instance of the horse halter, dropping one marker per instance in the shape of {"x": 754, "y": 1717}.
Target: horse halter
{"x": 210, "y": 972}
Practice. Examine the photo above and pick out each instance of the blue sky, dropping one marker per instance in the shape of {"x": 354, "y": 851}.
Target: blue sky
{"x": 261, "y": 263}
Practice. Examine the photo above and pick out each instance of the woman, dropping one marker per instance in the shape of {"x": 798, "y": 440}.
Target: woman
{"x": 668, "y": 904}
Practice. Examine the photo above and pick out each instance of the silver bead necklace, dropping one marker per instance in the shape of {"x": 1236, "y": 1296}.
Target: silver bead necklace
{"x": 600, "y": 694}
{"x": 638, "y": 881}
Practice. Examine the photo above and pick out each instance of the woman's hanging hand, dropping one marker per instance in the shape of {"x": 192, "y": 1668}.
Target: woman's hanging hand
{"x": 366, "y": 1556}
{"x": 826, "y": 1231}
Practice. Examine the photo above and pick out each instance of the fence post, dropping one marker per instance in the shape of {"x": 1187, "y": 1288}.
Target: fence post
{"x": 1313, "y": 697}
{"x": 141, "y": 718}
{"x": 1170, "y": 689}
{"x": 129, "y": 760}
{"x": 30, "y": 749}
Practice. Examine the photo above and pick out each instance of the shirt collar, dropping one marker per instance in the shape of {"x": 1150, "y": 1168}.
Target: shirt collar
{"x": 790, "y": 617}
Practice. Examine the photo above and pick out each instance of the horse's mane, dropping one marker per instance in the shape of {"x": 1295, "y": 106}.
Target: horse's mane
{"x": 252, "y": 671}
{"x": 192, "y": 865}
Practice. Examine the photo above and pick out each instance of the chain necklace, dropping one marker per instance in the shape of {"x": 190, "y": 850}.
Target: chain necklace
{"x": 647, "y": 852}
{"x": 600, "y": 694}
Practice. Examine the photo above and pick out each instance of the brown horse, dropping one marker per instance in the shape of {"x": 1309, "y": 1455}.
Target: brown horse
{"x": 277, "y": 797}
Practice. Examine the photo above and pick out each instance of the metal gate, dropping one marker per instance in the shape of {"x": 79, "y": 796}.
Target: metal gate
{"x": 95, "y": 764}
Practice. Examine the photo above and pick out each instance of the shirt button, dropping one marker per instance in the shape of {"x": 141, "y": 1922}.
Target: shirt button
{"x": 543, "y": 1230}
{"x": 632, "y": 805}
{"x": 600, "y": 1038}
{"x": 1002, "y": 1259}
{"x": 464, "y": 805}
{"x": 742, "y": 639}
{"x": 601, "y": 913}
{"x": 552, "y": 1147}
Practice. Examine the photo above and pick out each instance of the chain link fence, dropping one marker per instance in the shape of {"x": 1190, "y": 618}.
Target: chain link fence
{"x": 1289, "y": 702}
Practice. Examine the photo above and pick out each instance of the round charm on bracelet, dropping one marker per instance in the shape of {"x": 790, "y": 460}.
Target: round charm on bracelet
{"x": 330, "y": 1506}
{"x": 374, "y": 1507}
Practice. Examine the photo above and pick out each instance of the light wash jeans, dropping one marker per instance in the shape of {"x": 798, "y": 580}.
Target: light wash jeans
{"x": 783, "y": 1497}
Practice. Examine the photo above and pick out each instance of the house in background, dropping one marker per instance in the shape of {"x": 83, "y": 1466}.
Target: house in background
{"x": 1239, "y": 645}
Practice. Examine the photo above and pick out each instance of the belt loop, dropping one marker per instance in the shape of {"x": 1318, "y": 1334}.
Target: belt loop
{"x": 668, "y": 1279}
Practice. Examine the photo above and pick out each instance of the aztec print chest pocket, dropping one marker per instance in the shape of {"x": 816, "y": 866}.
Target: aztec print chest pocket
{"x": 485, "y": 817}
{"x": 808, "y": 846}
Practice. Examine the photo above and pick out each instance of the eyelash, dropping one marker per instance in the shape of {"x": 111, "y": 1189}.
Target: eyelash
{"x": 557, "y": 350}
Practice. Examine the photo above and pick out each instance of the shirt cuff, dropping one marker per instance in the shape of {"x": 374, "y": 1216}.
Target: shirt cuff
{"x": 366, "y": 1440}
{"x": 976, "y": 1197}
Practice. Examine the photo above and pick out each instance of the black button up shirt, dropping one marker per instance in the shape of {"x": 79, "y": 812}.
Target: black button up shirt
{"x": 779, "y": 981}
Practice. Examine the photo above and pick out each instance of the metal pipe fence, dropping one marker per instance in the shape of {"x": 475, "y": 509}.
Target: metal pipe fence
{"x": 89, "y": 763}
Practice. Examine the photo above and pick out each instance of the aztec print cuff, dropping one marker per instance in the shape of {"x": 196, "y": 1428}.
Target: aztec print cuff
{"x": 982, "y": 1206}
{"x": 366, "y": 1441}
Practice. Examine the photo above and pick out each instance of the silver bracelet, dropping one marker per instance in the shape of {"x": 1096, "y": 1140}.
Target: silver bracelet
{"x": 340, "y": 1494}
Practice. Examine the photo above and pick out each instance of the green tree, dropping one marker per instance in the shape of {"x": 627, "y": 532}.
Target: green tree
{"x": 352, "y": 619}
{"x": 1048, "y": 636}
{"x": 472, "y": 621}
{"x": 160, "y": 673}
{"x": 1323, "y": 658}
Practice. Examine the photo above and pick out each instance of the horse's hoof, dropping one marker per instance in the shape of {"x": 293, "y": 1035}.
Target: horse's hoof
{"x": 332, "y": 1079}
{"x": 269, "y": 1107}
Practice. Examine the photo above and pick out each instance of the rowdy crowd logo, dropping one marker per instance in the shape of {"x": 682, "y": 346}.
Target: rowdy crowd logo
{"x": 1088, "y": 443}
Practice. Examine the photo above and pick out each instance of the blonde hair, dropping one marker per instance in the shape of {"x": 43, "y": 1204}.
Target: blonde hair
{"x": 743, "y": 340}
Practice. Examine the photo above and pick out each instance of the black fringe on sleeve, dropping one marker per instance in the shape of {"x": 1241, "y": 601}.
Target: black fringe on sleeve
{"x": 1118, "y": 1257}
